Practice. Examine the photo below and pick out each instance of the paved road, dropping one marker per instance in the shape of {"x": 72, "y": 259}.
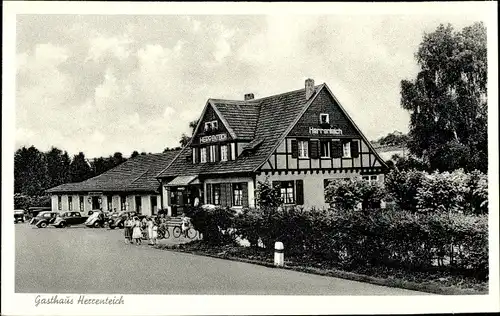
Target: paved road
{"x": 97, "y": 261}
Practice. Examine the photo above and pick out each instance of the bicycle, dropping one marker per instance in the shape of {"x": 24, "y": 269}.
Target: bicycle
{"x": 191, "y": 232}
{"x": 163, "y": 232}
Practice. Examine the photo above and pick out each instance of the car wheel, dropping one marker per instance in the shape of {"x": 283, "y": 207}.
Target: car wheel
{"x": 111, "y": 226}
{"x": 43, "y": 224}
{"x": 97, "y": 225}
{"x": 120, "y": 225}
{"x": 62, "y": 225}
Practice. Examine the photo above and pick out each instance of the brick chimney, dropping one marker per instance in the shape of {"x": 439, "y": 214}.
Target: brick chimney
{"x": 249, "y": 96}
{"x": 309, "y": 88}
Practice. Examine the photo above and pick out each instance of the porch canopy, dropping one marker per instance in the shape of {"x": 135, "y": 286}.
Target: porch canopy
{"x": 182, "y": 181}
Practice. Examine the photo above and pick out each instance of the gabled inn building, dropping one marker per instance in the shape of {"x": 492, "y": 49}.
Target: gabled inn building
{"x": 299, "y": 140}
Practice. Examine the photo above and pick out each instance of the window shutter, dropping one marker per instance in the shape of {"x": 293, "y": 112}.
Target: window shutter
{"x": 229, "y": 193}
{"x": 336, "y": 149}
{"x": 295, "y": 149}
{"x": 299, "y": 192}
{"x": 244, "y": 188}
{"x": 209, "y": 193}
{"x": 223, "y": 195}
{"x": 217, "y": 153}
{"x": 354, "y": 149}
{"x": 313, "y": 149}
{"x": 229, "y": 154}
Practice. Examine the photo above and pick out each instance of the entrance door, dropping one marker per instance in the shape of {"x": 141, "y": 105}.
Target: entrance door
{"x": 138, "y": 204}
{"x": 95, "y": 203}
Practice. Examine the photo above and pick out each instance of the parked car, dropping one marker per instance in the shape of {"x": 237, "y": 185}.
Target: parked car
{"x": 118, "y": 220}
{"x": 97, "y": 219}
{"x": 33, "y": 211}
{"x": 18, "y": 216}
{"x": 69, "y": 218}
{"x": 43, "y": 219}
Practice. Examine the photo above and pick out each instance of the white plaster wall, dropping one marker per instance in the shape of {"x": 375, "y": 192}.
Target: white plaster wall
{"x": 314, "y": 195}
{"x": 54, "y": 203}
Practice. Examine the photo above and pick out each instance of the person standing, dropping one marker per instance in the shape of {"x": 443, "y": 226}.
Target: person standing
{"x": 186, "y": 223}
{"x": 128, "y": 230}
{"x": 154, "y": 236}
{"x": 137, "y": 233}
{"x": 150, "y": 225}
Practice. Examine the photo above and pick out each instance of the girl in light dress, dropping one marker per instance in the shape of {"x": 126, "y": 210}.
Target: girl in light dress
{"x": 137, "y": 232}
{"x": 150, "y": 225}
{"x": 154, "y": 236}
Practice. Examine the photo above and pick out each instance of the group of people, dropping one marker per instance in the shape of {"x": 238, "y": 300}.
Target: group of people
{"x": 150, "y": 228}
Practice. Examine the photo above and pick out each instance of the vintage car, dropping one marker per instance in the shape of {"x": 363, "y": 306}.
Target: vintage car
{"x": 96, "y": 219}
{"x": 118, "y": 220}
{"x": 18, "y": 216}
{"x": 43, "y": 219}
{"x": 33, "y": 211}
{"x": 69, "y": 218}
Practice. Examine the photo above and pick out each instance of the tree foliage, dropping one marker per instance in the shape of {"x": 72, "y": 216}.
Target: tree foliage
{"x": 448, "y": 99}
{"x": 30, "y": 171}
{"x": 395, "y": 138}
{"x": 185, "y": 139}
{"x": 80, "y": 169}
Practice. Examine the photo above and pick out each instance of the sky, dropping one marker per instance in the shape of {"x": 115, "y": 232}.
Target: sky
{"x": 118, "y": 83}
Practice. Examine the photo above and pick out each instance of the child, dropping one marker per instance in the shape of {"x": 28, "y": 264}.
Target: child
{"x": 185, "y": 225}
{"x": 137, "y": 232}
{"x": 154, "y": 236}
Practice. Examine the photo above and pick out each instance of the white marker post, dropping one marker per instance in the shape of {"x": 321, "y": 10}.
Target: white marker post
{"x": 279, "y": 255}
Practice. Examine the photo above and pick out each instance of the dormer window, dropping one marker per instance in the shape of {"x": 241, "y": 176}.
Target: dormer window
{"x": 324, "y": 118}
{"x": 208, "y": 126}
{"x": 214, "y": 125}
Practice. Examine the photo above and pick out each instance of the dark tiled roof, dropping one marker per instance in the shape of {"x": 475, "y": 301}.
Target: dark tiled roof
{"x": 241, "y": 116}
{"x": 137, "y": 174}
{"x": 275, "y": 114}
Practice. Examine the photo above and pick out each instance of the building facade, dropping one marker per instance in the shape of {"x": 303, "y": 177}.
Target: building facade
{"x": 299, "y": 140}
{"x": 131, "y": 186}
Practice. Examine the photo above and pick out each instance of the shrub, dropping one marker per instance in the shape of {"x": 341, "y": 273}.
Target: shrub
{"x": 214, "y": 224}
{"x": 477, "y": 195}
{"x": 403, "y": 187}
{"x": 267, "y": 195}
{"x": 346, "y": 194}
{"x": 22, "y": 201}
{"x": 442, "y": 192}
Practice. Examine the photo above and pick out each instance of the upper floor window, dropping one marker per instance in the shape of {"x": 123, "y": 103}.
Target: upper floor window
{"x": 303, "y": 148}
{"x": 212, "y": 149}
{"x": 325, "y": 148}
{"x": 223, "y": 152}
{"x": 203, "y": 155}
{"x": 211, "y": 126}
{"x": 346, "y": 150}
{"x": 324, "y": 118}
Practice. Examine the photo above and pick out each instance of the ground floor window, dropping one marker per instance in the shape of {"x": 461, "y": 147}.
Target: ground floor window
{"x": 237, "y": 194}
{"x": 138, "y": 204}
{"x": 370, "y": 178}
{"x": 216, "y": 193}
{"x": 154, "y": 205}
{"x": 81, "y": 203}
{"x": 286, "y": 190}
{"x": 110, "y": 202}
{"x": 70, "y": 203}
{"x": 123, "y": 202}
{"x": 59, "y": 202}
